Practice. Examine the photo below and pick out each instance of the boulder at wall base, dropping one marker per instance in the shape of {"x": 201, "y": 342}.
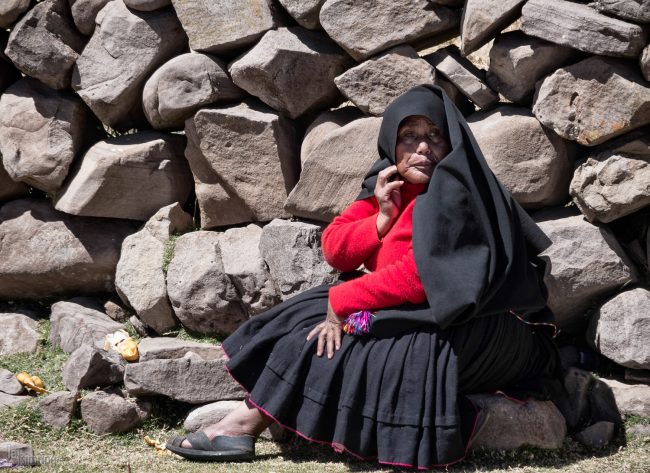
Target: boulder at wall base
{"x": 41, "y": 132}
{"x": 307, "y": 85}
{"x": 129, "y": 177}
{"x": 19, "y": 335}
{"x": 49, "y": 253}
{"x": 631, "y": 399}
{"x": 90, "y": 368}
{"x": 108, "y": 412}
{"x": 364, "y": 28}
{"x": 203, "y": 297}
{"x": 125, "y": 48}
{"x": 44, "y": 44}
{"x": 183, "y": 85}
{"x": 244, "y": 159}
{"x": 583, "y": 102}
{"x": 57, "y": 409}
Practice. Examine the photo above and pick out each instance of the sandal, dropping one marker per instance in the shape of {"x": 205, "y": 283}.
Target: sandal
{"x": 221, "y": 448}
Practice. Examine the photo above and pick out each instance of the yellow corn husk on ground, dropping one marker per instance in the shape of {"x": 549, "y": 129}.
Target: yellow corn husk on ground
{"x": 122, "y": 343}
{"x": 33, "y": 383}
{"x": 160, "y": 448}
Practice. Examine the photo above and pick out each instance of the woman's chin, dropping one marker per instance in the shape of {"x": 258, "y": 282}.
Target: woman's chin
{"x": 417, "y": 176}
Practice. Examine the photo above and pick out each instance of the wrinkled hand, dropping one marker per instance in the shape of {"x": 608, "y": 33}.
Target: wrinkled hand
{"x": 389, "y": 199}
{"x": 328, "y": 333}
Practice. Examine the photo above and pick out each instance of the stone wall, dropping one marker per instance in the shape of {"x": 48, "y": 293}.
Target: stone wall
{"x": 179, "y": 158}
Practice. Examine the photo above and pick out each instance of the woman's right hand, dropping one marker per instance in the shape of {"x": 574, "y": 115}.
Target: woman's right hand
{"x": 389, "y": 199}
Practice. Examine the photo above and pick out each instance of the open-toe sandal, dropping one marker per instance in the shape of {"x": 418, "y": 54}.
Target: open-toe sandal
{"x": 222, "y": 448}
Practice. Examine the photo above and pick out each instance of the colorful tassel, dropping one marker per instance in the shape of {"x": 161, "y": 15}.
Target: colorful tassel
{"x": 358, "y": 323}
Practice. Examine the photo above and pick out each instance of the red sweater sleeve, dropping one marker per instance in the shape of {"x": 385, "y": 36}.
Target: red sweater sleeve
{"x": 352, "y": 236}
{"x": 395, "y": 284}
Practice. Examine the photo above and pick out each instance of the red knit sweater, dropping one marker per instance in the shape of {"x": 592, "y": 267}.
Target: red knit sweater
{"x": 351, "y": 240}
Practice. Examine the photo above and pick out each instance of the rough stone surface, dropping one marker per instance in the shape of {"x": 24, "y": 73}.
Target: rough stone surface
{"x": 620, "y": 329}
{"x": 373, "y": 85}
{"x": 596, "y": 435}
{"x": 244, "y": 265}
{"x": 41, "y": 131}
{"x": 304, "y": 86}
{"x": 644, "y": 62}
{"x": 613, "y": 183}
{"x": 19, "y": 334}
{"x": 20, "y": 454}
{"x": 534, "y": 164}
{"x": 323, "y": 125}
{"x": 366, "y": 27}
{"x": 203, "y": 416}
{"x": 483, "y": 20}
{"x": 115, "y": 311}
{"x": 44, "y": 44}
{"x": 244, "y": 159}
{"x": 469, "y": 79}
{"x": 121, "y": 54}
{"x": 89, "y": 368}
{"x": 221, "y": 26}
{"x": 79, "y": 322}
{"x": 84, "y": 13}
{"x": 637, "y": 11}
{"x": 586, "y": 265}
{"x": 189, "y": 379}
{"x": 57, "y": 409}
{"x": 108, "y": 412}
{"x": 8, "y": 400}
{"x": 167, "y": 348}
{"x": 333, "y": 171}
{"x": 130, "y": 177}
{"x": 581, "y": 27}
{"x": 518, "y": 61}
{"x": 583, "y": 101}
{"x": 147, "y": 5}
{"x": 183, "y": 85}
{"x": 293, "y": 253}
{"x": 8, "y": 382}
{"x": 203, "y": 297}
{"x": 512, "y": 424}
{"x": 140, "y": 277}
{"x": 10, "y": 10}
{"x": 631, "y": 399}
{"x": 46, "y": 253}
{"x": 139, "y": 326}
{"x": 305, "y": 12}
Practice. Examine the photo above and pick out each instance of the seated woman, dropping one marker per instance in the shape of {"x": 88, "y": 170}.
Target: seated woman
{"x": 454, "y": 304}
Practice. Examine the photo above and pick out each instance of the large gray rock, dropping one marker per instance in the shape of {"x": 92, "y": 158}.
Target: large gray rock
{"x": 19, "y": 454}
{"x": 333, "y": 171}
{"x": 581, "y": 27}
{"x": 10, "y": 189}
{"x": 90, "y": 368}
{"x": 533, "y": 163}
{"x": 613, "y": 183}
{"x": 167, "y": 348}
{"x": 513, "y": 424}
{"x": 620, "y": 329}
{"x": 221, "y": 26}
{"x": 631, "y": 399}
{"x": 637, "y": 11}
{"x": 373, "y": 85}
{"x": 366, "y": 27}
{"x": 108, "y": 412}
{"x": 123, "y": 51}
{"x": 203, "y": 416}
{"x": 244, "y": 159}
{"x": 45, "y": 44}
{"x": 304, "y": 86}
{"x": 78, "y": 322}
{"x": 189, "y": 379}
{"x": 47, "y": 253}
{"x": 130, "y": 177}
{"x": 8, "y": 382}
{"x": 483, "y": 20}
{"x": 140, "y": 276}
{"x": 9, "y": 400}
{"x": 57, "y": 409}
{"x": 293, "y": 253}
{"x": 183, "y": 85}
{"x": 84, "y": 13}
{"x": 203, "y": 297}
{"x": 147, "y": 5}
{"x": 468, "y": 78}
{"x": 41, "y": 132}
{"x": 305, "y": 12}
{"x": 10, "y": 10}
{"x": 244, "y": 265}
{"x": 19, "y": 334}
{"x": 324, "y": 124}
{"x": 585, "y": 267}
{"x": 583, "y": 102}
{"x": 518, "y": 61}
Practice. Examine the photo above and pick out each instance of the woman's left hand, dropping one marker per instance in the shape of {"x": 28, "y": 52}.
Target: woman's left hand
{"x": 328, "y": 332}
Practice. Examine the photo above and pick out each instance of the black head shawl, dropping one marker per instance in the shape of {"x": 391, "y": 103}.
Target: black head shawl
{"x": 475, "y": 247}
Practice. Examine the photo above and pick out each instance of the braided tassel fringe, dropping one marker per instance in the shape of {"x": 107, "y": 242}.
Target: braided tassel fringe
{"x": 358, "y": 323}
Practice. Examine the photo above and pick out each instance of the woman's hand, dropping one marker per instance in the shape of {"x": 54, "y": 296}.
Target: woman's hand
{"x": 389, "y": 199}
{"x": 328, "y": 332}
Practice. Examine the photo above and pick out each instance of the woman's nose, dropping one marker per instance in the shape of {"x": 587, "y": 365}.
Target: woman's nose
{"x": 423, "y": 147}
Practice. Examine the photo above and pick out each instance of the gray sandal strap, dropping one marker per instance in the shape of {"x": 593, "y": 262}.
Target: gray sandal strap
{"x": 200, "y": 441}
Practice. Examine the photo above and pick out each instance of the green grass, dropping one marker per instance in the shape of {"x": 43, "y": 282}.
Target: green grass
{"x": 168, "y": 252}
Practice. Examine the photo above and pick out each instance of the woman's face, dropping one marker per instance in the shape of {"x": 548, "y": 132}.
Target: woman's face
{"x": 420, "y": 146}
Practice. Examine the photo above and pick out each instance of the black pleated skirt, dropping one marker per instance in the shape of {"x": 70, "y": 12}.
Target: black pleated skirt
{"x": 398, "y": 398}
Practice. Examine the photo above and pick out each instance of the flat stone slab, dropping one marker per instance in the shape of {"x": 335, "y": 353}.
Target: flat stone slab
{"x": 166, "y": 348}
{"x": 636, "y": 11}
{"x": 631, "y": 399}
{"x": 484, "y": 19}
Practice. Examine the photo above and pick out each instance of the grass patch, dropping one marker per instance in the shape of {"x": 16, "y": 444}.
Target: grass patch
{"x": 168, "y": 252}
